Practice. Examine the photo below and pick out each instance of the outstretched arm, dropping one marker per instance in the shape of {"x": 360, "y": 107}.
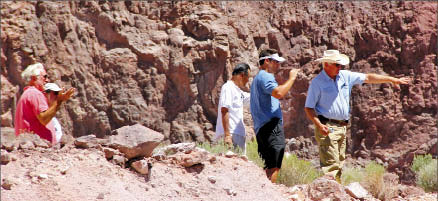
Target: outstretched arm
{"x": 377, "y": 79}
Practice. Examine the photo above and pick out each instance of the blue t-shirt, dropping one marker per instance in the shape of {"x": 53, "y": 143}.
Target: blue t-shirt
{"x": 263, "y": 106}
{"x": 330, "y": 98}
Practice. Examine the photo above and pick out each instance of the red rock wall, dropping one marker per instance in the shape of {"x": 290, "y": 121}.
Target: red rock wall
{"x": 161, "y": 64}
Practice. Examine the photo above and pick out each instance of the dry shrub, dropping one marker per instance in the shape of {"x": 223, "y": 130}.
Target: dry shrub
{"x": 372, "y": 179}
{"x": 351, "y": 174}
{"x": 425, "y": 168}
{"x": 219, "y": 147}
{"x": 295, "y": 171}
{"x": 391, "y": 187}
{"x": 253, "y": 154}
{"x": 427, "y": 177}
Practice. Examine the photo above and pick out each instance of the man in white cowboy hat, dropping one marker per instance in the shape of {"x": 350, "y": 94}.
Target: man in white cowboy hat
{"x": 327, "y": 106}
{"x": 266, "y": 111}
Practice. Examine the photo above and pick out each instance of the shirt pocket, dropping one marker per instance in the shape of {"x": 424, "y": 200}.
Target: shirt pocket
{"x": 328, "y": 94}
{"x": 237, "y": 102}
{"x": 345, "y": 91}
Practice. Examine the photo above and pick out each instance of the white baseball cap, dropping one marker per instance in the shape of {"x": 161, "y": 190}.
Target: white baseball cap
{"x": 51, "y": 87}
{"x": 275, "y": 57}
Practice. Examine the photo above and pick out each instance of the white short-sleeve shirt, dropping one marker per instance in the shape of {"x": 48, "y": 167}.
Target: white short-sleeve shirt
{"x": 58, "y": 130}
{"x": 233, "y": 98}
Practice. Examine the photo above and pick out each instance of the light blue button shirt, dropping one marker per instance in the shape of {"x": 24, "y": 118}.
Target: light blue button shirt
{"x": 332, "y": 98}
{"x": 263, "y": 106}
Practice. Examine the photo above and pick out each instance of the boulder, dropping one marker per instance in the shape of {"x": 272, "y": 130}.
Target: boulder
{"x": 356, "y": 190}
{"x": 6, "y": 119}
{"x": 87, "y": 141}
{"x": 8, "y": 141}
{"x": 175, "y": 148}
{"x": 109, "y": 152}
{"x": 323, "y": 188}
{"x": 141, "y": 166}
{"x": 230, "y": 154}
{"x": 119, "y": 160}
{"x": 8, "y": 182}
{"x": 135, "y": 141}
{"x": 197, "y": 156}
{"x": 5, "y": 157}
{"x": 30, "y": 141}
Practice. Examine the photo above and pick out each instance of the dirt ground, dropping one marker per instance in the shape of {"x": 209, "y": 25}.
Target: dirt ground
{"x": 81, "y": 174}
{"x": 85, "y": 174}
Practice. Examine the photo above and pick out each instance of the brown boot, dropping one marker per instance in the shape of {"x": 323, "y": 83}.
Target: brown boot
{"x": 275, "y": 175}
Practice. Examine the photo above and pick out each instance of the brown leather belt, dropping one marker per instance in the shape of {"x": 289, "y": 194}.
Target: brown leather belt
{"x": 324, "y": 120}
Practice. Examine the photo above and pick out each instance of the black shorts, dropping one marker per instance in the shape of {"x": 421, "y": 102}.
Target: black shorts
{"x": 271, "y": 143}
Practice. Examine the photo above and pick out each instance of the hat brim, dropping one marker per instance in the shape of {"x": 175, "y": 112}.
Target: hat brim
{"x": 52, "y": 87}
{"x": 338, "y": 59}
{"x": 275, "y": 57}
{"x": 278, "y": 58}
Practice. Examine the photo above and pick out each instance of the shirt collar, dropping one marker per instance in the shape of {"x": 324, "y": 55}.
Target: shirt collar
{"x": 326, "y": 77}
{"x": 234, "y": 84}
{"x": 29, "y": 87}
{"x": 265, "y": 71}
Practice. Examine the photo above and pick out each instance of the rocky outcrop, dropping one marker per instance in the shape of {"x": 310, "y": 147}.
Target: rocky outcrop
{"x": 161, "y": 64}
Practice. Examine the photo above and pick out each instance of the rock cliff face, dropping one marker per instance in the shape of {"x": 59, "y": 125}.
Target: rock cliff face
{"x": 162, "y": 64}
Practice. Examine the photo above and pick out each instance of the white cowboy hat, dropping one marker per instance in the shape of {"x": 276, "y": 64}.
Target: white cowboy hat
{"x": 275, "y": 57}
{"x": 333, "y": 56}
{"x": 52, "y": 87}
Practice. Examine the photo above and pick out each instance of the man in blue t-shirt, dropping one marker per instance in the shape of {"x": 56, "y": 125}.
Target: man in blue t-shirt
{"x": 328, "y": 107}
{"x": 266, "y": 111}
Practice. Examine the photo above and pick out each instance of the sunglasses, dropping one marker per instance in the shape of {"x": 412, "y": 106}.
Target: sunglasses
{"x": 274, "y": 61}
{"x": 54, "y": 92}
{"x": 338, "y": 65}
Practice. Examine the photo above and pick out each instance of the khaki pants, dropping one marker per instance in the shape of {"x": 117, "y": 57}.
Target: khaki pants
{"x": 332, "y": 149}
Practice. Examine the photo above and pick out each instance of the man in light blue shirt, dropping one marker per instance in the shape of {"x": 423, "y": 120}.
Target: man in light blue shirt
{"x": 266, "y": 111}
{"x": 328, "y": 107}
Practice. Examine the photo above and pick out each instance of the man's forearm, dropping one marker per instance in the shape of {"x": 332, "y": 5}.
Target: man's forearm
{"x": 225, "y": 121}
{"x": 311, "y": 115}
{"x": 281, "y": 90}
{"x": 377, "y": 79}
{"x": 46, "y": 116}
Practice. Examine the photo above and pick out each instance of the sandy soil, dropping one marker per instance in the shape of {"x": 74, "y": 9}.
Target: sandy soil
{"x": 85, "y": 174}
{"x": 76, "y": 174}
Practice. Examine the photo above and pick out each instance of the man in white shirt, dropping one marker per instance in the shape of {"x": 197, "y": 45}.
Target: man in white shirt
{"x": 230, "y": 109}
{"x": 51, "y": 91}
